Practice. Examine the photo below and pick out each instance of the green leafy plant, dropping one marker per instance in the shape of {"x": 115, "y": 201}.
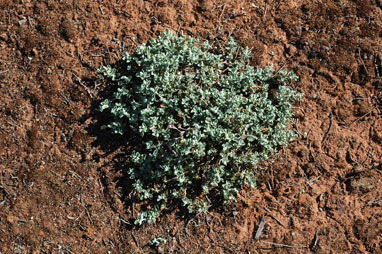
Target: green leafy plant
{"x": 158, "y": 241}
{"x": 204, "y": 118}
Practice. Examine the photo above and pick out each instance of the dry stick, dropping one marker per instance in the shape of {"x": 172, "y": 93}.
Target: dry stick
{"x": 88, "y": 214}
{"x": 221, "y": 14}
{"x": 296, "y": 127}
{"x": 312, "y": 245}
{"x": 311, "y": 153}
{"x": 363, "y": 63}
{"x": 278, "y": 221}
{"x": 360, "y": 118}
{"x": 314, "y": 241}
{"x": 12, "y": 124}
{"x": 373, "y": 202}
{"x": 327, "y": 132}
{"x": 87, "y": 211}
{"x": 84, "y": 86}
{"x": 307, "y": 134}
{"x": 5, "y": 190}
{"x": 260, "y": 228}
{"x": 280, "y": 68}
{"x": 120, "y": 219}
{"x": 273, "y": 217}
{"x": 311, "y": 181}
{"x": 285, "y": 245}
{"x": 135, "y": 240}
{"x": 67, "y": 249}
{"x": 101, "y": 9}
{"x": 269, "y": 186}
{"x": 265, "y": 13}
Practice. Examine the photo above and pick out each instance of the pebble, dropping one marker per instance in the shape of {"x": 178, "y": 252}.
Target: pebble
{"x": 22, "y": 21}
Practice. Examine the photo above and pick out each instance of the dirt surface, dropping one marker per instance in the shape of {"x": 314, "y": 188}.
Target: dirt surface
{"x": 60, "y": 191}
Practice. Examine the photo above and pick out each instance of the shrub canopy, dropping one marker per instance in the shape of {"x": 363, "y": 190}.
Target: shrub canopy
{"x": 205, "y": 118}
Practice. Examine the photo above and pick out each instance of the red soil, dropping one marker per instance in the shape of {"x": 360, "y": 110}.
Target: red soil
{"x": 60, "y": 191}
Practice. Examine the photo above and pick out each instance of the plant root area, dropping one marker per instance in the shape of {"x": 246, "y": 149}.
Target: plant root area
{"x": 62, "y": 191}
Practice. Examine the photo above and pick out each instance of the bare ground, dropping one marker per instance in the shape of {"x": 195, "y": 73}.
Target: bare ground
{"x": 60, "y": 191}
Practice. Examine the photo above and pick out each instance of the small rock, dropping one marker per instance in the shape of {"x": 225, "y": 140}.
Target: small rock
{"x": 22, "y": 21}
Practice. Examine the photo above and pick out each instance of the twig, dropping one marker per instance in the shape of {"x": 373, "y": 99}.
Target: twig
{"x": 260, "y": 228}
{"x": 269, "y": 186}
{"x": 373, "y": 202}
{"x": 135, "y": 240}
{"x": 1, "y": 72}
{"x": 311, "y": 181}
{"x": 221, "y": 14}
{"x": 307, "y": 133}
{"x": 265, "y": 13}
{"x": 311, "y": 153}
{"x": 278, "y": 221}
{"x": 285, "y": 245}
{"x": 360, "y": 118}
{"x": 83, "y": 85}
{"x": 296, "y": 127}
{"x": 280, "y": 68}
{"x": 5, "y": 190}
{"x": 67, "y": 249}
{"x": 87, "y": 211}
{"x": 119, "y": 218}
{"x": 314, "y": 241}
{"x": 79, "y": 216}
{"x": 273, "y": 217}
{"x": 101, "y": 9}
{"x": 327, "y": 132}
{"x": 363, "y": 63}
{"x": 12, "y": 124}
{"x": 358, "y": 98}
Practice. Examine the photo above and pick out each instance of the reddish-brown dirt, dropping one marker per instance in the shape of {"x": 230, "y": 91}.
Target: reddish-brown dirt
{"x": 60, "y": 191}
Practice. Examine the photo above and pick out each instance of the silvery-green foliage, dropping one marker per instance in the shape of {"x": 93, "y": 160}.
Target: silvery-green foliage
{"x": 158, "y": 241}
{"x": 205, "y": 120}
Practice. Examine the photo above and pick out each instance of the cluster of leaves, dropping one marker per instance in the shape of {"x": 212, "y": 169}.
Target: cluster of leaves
{"x": 205, "y": 118}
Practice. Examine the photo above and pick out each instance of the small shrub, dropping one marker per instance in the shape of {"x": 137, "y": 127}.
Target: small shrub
{"x": 204, "y": 116}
